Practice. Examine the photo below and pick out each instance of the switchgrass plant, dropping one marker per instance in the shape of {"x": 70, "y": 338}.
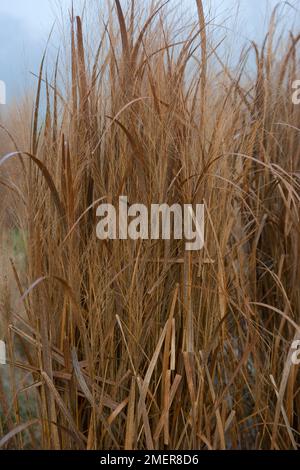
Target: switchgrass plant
{"x": 141, "y": 344}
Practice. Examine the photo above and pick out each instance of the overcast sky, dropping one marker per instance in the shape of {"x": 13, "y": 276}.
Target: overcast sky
{"x": 25, "y": 26}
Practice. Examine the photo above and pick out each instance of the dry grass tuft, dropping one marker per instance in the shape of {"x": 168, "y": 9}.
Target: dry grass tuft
{"x": 141, "y": 345}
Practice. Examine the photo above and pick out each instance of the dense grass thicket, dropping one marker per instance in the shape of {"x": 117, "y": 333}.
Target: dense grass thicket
{"x": 141, "y": 344}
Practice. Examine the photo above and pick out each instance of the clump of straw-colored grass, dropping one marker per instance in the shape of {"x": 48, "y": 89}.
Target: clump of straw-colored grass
{"x": 143, "y": 345}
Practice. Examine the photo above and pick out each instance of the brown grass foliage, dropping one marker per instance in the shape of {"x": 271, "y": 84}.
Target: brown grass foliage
{"x": 141, "y": 344}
